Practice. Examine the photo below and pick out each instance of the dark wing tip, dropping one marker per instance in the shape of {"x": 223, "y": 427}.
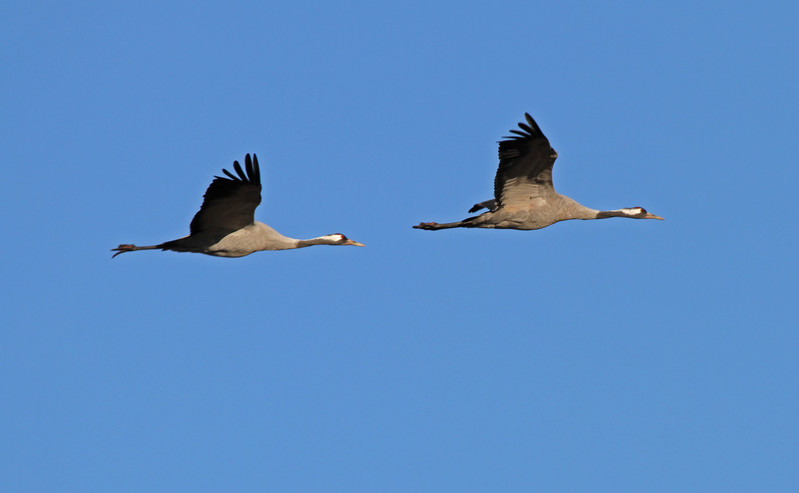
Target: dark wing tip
{"x": 248, "y": 166}
{"x": 253, "y": 170}
{"x": 529, "y": 131}
{"x": 239, "y": 171}
{"x": 251, "y": 173}
{"x": 526, "y": 128}
{"x": 256, "y": 177}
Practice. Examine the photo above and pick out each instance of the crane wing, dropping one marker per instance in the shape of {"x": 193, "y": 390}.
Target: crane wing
{"x": 229, "y": 203}
{"x": 525, "y": 167}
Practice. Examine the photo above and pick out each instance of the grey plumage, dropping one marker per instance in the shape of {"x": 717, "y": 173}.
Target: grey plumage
{"x": 524, "y": 196}
{"x": 225, "y": 225}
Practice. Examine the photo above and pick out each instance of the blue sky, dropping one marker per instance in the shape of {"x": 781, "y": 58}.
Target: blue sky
{"x": 611, "y": 355}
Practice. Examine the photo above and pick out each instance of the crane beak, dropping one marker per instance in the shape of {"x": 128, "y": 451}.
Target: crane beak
{"x": 652, "y": 216}
{"x": 353, "y": 243}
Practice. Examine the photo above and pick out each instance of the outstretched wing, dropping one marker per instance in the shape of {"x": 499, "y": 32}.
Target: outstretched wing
{"x": 525, "y": 167}
{"x": 490, "y": 204}
{"x": 229, "y": 203}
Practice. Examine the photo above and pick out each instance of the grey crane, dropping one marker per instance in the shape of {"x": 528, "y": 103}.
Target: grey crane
{"x": 524, "y": 197}
{"x": 225, "y": 225}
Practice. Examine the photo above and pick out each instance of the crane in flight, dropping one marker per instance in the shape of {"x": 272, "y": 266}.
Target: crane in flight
{"x": 225, "y": 225}
{"x": 524, "y": 197}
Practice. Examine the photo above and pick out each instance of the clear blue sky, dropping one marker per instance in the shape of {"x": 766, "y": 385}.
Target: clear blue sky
{"x": 613, "y": 355}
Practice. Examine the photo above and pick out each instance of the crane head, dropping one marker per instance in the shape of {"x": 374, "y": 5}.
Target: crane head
{"x": 641, "y": 213}
{"x": 340, "y": 239}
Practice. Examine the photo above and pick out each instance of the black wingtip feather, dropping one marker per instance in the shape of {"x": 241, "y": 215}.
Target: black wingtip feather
{"x": 530, "y": 130}
{"x": 253, "y": 171}
{"x": 533, "y": 124}
{"x": 239, "y": 171}
{"x": 248, "y": 165}
{"x": 257, "y": 177}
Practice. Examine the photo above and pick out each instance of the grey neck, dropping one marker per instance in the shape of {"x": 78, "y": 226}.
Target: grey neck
{"x": 571, "y": 209}
{"x": 616, "y": 213}
{"x": 315, "y": 241}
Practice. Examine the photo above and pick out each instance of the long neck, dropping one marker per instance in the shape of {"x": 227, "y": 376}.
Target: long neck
{"x": 319, "y": 240}
{"x": 571, "y": 209}
{"x": 264, "y": 237}
{"x": 632, "y": 213}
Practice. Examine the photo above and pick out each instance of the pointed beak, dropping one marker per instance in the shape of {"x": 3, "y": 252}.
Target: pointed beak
{"x": 353, "y": 243}
{"x": 652, "y": 216}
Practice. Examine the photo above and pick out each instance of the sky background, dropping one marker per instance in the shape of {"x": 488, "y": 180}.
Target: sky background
{"x": 612, "y": 355}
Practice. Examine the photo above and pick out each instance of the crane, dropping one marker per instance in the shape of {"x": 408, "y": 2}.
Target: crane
{"x": 225, "y": 225}
{"x": 524, "y": 197}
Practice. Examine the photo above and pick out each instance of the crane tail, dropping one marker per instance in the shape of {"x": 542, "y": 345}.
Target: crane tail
{"x": 132, "y": 248}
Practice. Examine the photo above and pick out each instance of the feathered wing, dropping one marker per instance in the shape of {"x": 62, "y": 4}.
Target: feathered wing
{"x": 525, "y": 167}
{"x": 490, "y": 204}
{"x": 229, "y": 203}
